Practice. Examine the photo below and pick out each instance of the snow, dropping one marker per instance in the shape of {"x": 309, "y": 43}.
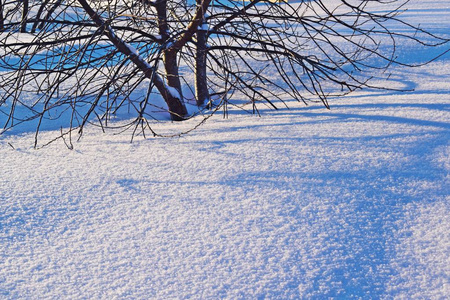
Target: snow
{"x": 173, "y": 91}
{"x": 351, "y": 202}
{"x": 133, "y": 50}
{"x": 204, "y": 26}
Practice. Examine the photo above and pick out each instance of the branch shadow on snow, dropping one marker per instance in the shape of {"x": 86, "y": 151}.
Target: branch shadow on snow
{"x": 354, "y": 228}
{"x": 342, "y": 221}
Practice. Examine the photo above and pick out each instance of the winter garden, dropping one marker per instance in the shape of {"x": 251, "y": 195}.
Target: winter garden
{"x": 224, "y": 149}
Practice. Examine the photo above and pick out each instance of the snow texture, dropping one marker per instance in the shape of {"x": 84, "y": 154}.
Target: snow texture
{"x": 306, "y": 203}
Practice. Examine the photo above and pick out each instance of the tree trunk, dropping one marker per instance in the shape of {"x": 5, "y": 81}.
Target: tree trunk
{"x": 2, "y": 20}
{"x": 176, "y": 106}
{"x": 201, "y": 87}
{"x": 23, "y": 26}
{"x": 174, "y": 101}
{"x": 171, "y": 68}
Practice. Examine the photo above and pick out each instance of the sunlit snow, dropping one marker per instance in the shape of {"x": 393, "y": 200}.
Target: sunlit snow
{"x": 300, "y": 203}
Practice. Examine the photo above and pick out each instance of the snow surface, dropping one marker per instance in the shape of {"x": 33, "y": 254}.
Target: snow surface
{"x": 351, "y": 202}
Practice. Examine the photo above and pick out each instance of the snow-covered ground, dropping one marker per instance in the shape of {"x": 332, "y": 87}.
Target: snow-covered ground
{"x": 351, "y": 202}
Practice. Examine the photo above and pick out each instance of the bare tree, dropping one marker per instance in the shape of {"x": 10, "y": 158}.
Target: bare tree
{"x": 87, "y": 60}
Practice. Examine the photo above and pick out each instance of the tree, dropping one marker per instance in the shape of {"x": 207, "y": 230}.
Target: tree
{"x": 92, "y": 58}
{"x": 1, "y": 16}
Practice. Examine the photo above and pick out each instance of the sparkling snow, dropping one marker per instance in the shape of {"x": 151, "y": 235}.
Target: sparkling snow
{"x": 351, "y": 202}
